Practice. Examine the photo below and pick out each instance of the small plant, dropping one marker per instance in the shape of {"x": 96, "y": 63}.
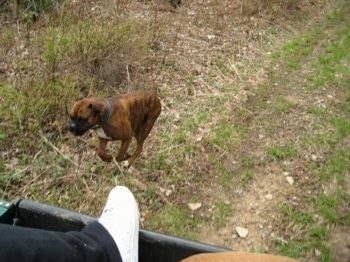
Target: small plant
{"x": 225, "y": 175}
{"x": 160, "y": 162}
{"x": 248, "y": 162}
{"x": 293, "y": 248}
{"x": 281, "y": 152}
{"x": 175, "y": 221}
{"x": 336, "y": 167}
{"x": 223, "y": 211}
{"x": 246, "y": 177}
{"x": 327, "y": 206}
{"x": 282, "y": 105}
{"x": 55, "y": 50}
{"x": 295, "y": 215}
{"x": 222, "y": 135}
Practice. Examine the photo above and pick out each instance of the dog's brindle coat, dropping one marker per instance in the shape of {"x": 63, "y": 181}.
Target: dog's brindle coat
{"x": 117, "y": 118}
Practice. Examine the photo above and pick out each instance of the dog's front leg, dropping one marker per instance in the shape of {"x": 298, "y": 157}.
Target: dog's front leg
{"x": 102, "y": 150}
{"x": 122, "y": 151}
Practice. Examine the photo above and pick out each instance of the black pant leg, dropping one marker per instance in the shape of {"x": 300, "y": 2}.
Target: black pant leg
{"x": 92, "y": 244}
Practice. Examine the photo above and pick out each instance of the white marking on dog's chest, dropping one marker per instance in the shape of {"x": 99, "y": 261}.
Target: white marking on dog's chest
{"x": 101, "y": 133}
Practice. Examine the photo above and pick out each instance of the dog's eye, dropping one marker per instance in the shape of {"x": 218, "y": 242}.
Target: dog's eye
{"x": 81, "y": 119}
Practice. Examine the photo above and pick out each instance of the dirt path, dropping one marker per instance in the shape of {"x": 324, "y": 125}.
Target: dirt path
{"x": 281, "y": 117}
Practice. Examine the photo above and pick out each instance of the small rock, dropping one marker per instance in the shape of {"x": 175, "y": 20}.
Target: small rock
{"x": 168, "y": 192}
{"x": 290, "y": 180}
{"x": 314, "y": 157}
{"x": 194, "y": 206}
{"x": 210, "y": 37}
{"x": 317, "y": 253}
{"x": 268, "y": 197}
{"x": 242, "y": 232}
{"x": 199, "y": 139}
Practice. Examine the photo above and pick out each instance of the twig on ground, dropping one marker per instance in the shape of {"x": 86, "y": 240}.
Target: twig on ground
{"x": 58, "y": 151}
{"x": 117, "y": 164}
{"x": 235, "y": 69}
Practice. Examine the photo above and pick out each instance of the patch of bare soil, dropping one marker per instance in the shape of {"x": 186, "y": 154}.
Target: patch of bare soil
{"x": 340, "y": 242}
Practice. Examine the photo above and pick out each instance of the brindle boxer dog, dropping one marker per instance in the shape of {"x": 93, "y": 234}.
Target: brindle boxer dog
{"x": 116, "y": 118}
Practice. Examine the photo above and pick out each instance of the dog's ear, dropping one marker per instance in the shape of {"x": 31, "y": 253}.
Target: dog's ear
{"x": 83, "y": 93}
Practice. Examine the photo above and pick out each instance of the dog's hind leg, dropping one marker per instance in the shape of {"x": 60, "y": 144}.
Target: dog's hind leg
{"x": 135, "y": 154}
{"x": 142, "y": 134}
{"x": 122, "y": 155}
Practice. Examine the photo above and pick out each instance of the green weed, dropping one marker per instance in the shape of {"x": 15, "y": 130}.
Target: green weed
{"x": 247, "y": 176}
{"x": 160, "y": 162}
{"x": 281, "y": 152}
{"x": 248, "y": 162}
{"x": 282, "y": 105}
{"x": 319, "y": 233}
{"x": 342, "y": 125}
{"x": 297, "y": 49}
{"x": 296, "y": 215}
{"x": 316, "y": 110}
{"x": 226, "y": 135}
{"x": 336, "y": 167}
{"x": 175, "y": 221}
{"x": 222, "y": 134}
{"x": 223, "y": 210}
{"x": 292, "y": 248}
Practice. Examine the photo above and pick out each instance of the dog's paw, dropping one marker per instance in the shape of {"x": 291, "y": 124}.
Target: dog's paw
{"x": 125, "y": 164}
{"x": 106, "y": 158}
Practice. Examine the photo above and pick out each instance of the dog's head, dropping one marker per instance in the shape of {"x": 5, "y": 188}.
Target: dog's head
{"x": 86, "y": 114}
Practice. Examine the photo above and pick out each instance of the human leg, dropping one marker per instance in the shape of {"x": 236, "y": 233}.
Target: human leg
{"x": 30, "y": 244}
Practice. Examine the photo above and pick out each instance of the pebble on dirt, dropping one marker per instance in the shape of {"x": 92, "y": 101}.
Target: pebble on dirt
{"x": 242, "y": 232}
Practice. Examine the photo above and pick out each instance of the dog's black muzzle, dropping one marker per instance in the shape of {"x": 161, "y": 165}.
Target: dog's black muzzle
{"x": 78, "y": 128}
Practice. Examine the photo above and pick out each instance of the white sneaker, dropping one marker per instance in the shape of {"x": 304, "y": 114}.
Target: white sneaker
{"x": 121, "y": 219}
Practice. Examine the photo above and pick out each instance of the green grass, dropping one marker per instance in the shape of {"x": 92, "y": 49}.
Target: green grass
{"x": 176, "y": 221}
{"x": 282, "y": 105}
{"x": 222, "y": 135}
{"x": 316, "y": 234}
{"x": 297, "y": 50}
{"x": 296, "y": 215}
{"x": 226, "y": 135}
{"x": 292, "y": 248}
{"x": 281, "y": 152}
{"x": 225, "y": 175}
{"x": 222, "y": 212}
